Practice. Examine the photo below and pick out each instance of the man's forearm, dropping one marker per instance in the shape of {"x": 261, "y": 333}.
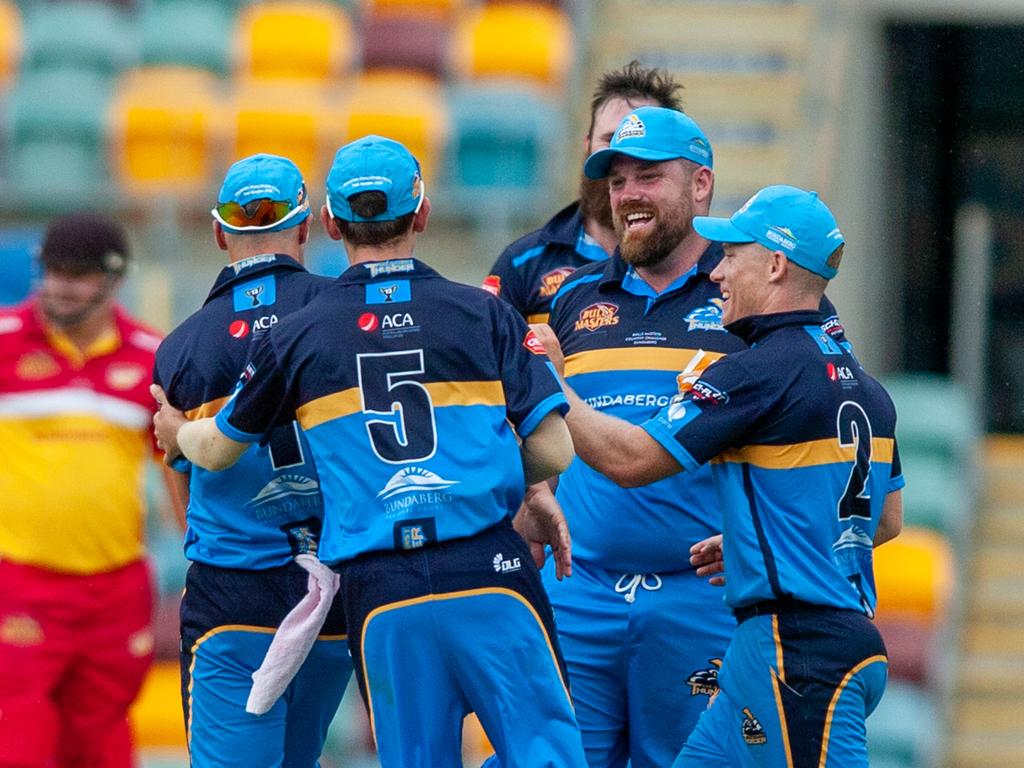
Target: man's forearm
{"x": 206, "y": 446}
{"x": 621, "y": 451}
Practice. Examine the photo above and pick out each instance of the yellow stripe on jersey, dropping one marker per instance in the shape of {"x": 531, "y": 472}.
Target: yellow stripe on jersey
{"x": 810, "y": 454}
{"x": 635, "y": 359}
{"x": 334, "y": 406}
{"x": 442, "y": 393}
{"x": 541, "y": 317}
{"x": 207, "y": 410}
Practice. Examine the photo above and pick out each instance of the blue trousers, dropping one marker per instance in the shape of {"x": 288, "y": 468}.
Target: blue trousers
{"x": 228, "y": 618}
{"x": 459, "y": 626}
{"x": 795, "y": 690}
{"x": 643, "y": 652}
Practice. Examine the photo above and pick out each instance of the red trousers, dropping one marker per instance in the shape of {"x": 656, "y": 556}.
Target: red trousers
{"x": 73, "y": 654}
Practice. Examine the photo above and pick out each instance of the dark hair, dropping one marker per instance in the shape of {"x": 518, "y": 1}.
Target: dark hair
{"x": 85, "y": 242}
{"x": 367, "y": 205}
{"x": 633, "y": 82}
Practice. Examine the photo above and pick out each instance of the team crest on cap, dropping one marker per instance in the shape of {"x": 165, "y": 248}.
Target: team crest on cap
{"x": 632, "y": 127}
{"x": 700, "y": 147}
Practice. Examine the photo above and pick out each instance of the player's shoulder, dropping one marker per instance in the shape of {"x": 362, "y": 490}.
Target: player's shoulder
{"x": 581, "y": 282}
{"x": 558, "y": 232}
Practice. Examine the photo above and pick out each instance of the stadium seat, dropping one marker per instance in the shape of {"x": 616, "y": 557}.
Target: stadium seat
{"x": 10, "y": 41}
{"x": 404, "y": 106}
{"x": 515, "y": 40}
{"x": 905, "y": 728}
{"x": 502, "y": 137}
{"x": 156, "y": 714}
{"x": 167, "y": 130}
{"x": 909, "y": 645}
{"x": 192, "y": 33}
{"x": 937, "y": 493}
{"x": 914, "y": 575}
{"x": 406, "y": 41}
{"x": 935, "y": 415}
{"x": 295, "y": 40}
{"x": 78, "y": 35}
{"x": 18, "y": 263}
{"x": 296, "y": 119}
{"x": 57, "y": 131}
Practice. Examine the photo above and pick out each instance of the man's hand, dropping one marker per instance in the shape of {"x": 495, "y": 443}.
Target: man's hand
{"x": 707, "y": 556}
{"x": 166, "y": 423}
{"x": 540, "y": 521}
{"x": 551, "y": 346}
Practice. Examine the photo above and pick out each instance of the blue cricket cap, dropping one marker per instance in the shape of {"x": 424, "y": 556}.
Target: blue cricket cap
{"x": 262, "y": 177}
{"x": 786, "y": 219}
{"x": 374, "y": 163}
{"x": 656, "y": 134}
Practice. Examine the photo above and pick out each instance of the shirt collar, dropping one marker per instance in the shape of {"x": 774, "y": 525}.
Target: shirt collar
{"x": 564, "y": 227}
{"x": 254, "y": 266}
{"x": 753, "y": 328}
{"x": 392, "y": 269}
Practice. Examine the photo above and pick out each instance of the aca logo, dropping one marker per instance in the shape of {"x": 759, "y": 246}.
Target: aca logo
{"x": 492, "y": 284}
{"x": 552, "y": 281}
{"x": 239, "y": 329}
{"x": 597, "y": 316}
{"x": 368, "y": 322}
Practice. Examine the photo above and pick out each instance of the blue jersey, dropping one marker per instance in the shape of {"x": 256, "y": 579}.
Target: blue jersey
{"x": 267, "y": 508}
{"x": 529, "y": 272}
{"x": 624, "y": 348}
{"x": 412, "y": 390}
{"x": 802, "y": 448}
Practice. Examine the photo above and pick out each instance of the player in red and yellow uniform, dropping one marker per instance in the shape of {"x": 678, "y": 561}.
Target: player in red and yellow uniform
{"x": 75, "y": 589}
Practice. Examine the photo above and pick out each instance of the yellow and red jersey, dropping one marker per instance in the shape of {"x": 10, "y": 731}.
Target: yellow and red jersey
{"x": 74, "y": 439}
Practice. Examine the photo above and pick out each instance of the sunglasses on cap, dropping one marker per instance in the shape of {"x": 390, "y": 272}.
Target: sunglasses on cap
{"x": 256, "y": 215}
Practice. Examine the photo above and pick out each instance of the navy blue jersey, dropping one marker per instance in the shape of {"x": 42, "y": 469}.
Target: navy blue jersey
{"x": 803, "y": 453}
{"x": 412, "y": 390}
{"x": 624, "y": 348}
{"x": 267, "y": 508}
{"x": 529, "y": 272}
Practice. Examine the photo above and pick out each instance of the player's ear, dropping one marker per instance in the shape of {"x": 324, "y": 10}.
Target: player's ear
{"x": 703, "y": 181}
{"x": 778, "y": 267}
{"x": 419, "y": 221}
{"x": 218, "y": 235}
{"x": 330, "y": 225}
{"x": 304, "y": 231}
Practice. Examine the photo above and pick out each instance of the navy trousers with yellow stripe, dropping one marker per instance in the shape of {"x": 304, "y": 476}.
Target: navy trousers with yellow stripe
{"x": 795, "y": 690}
{"x": 457, "y": 627}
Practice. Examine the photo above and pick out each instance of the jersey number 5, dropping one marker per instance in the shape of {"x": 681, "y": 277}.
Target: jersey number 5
{"x": 854, "y": 431}
{"x": 405, "y": 430}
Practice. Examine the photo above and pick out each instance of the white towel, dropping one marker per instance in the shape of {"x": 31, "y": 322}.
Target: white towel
{"x": 294, "y": 638}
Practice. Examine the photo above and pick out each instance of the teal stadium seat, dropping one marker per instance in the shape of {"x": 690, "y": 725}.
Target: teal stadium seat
{"x": 503, "y": 138}
{"x": 56, "y": 123}
{"x": 193, "y": 33}
{"x": 937, "y": 432}
{"x": 78, "y": 35}
{"x": 905, "y": 728}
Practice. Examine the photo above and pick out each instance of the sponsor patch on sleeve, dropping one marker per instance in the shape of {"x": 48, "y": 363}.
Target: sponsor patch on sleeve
{"x": 532, "y": 343}
{"x": 492, "y": 284}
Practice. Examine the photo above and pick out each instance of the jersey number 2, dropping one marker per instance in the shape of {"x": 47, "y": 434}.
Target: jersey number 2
{"x": 854, "y": 431}
{"x": 405, "y": 430}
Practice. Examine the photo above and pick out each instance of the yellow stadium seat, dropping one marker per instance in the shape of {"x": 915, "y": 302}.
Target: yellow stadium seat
{"x": 156, "y": 715}
{"x": 294, "y": 119}
{"x": 403, "y": 106}
{"x": 514, "y": 40}
{"x": 167, "y": 128}
{"x": 10, "y": 41}
{"x": 914, "y": 576}
{"x": 294, "y": 40}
